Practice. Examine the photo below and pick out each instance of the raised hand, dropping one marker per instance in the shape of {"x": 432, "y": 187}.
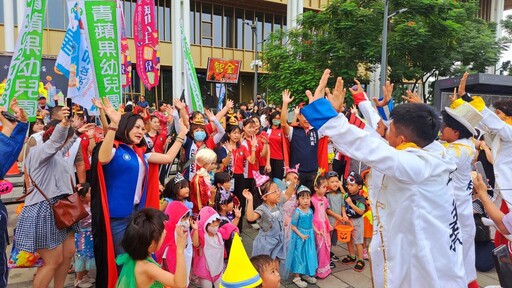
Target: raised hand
{"x": 193, "y": 224}
{"x": 65, "y": 114}
{"x": 247, "y": 194}
{"x": 113, "y": 115}
{"x": 183, "y": 129}
{"x": 181, "y": 241}
{"x": 480, "y": 187}
{"x": 97, "y": 102}
{"x": 412, "y": 97}
{"x": 296, "y": 111}
{"x": 353, "y": 109}
{"x": 230, "y": 104}
{"x": 337, "y": 97}
{"x": 19, "y": 112}
{"x": 179, "y": 104}
{"x": 359, "y": 88}
{"x": 387, "y": 92}
{"x": 238, "y": 211}
{"x": 454, "y": 96}
{"x": 462, "y": 85}
{"x": 87, "y": 128}
{"x": 320, "y": 89}
{"x": 287, "y": 99}
{"x": 209, "y": 115}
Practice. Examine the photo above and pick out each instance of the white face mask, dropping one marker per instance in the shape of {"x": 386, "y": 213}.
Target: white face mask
{"x": 212, "y": 229}
{"x": 185, "y": 224}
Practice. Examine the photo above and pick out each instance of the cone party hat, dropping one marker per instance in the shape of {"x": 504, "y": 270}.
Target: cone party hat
{"x": 239, "y": 273}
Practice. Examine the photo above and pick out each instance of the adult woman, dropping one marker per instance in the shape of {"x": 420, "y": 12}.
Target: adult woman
{"x": 278, "y": 145}
{"x": 126, "y": 183}
{"x": 157, "y": 140}
{"x": 36, "y": 230}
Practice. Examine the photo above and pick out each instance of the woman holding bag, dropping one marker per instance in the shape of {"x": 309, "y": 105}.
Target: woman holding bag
{"x": 36, "y": 230}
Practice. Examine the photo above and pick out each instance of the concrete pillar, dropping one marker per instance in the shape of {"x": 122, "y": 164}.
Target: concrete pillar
{"x": 20, "y": 7}
{"x": 177, "y": 51}
{"x": 294, "y": 9}
{"x": 497, "y": 8}
{"x": 8, "y": 25}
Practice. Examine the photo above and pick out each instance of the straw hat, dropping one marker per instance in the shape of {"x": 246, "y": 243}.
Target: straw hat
{"x": 239, "y": 273}
{"x": 466, "y": 115}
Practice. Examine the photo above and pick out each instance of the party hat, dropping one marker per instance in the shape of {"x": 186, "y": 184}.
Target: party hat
{"x": 239, "y": 273}
{"x": 260, "y": 179}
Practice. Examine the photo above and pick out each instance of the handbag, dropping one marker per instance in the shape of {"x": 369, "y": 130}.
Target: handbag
{"x": 66, "y": 211}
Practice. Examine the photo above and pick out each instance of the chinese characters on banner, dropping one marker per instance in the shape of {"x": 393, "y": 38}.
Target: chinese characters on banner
{"x": 74, "y": 59}
{"x": 193, "y": 99}
{"x": 145, "y": 36}
{"x": 223, "y": 71}
{"x": 101, "y": 22}
{"x": 23, "y": 78}
{"x": 126, "y": 63}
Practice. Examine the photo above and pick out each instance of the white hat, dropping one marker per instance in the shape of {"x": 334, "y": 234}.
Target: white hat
{"x": 466, "y": 115}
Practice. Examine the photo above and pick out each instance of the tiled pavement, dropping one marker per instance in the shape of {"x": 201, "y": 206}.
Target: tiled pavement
{"x": 342, "y": 276}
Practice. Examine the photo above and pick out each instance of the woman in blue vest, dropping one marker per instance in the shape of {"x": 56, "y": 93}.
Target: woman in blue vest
{"x": 125, "y": 182}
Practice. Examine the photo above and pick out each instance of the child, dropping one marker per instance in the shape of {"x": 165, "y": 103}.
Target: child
{"x": 144, "y": 235}
{"x": 179, "y": 216}
{"x": 367, "y": 216}
{"x": 84, "y": 256}
{"x": 208, "y": 262}
{"x": 355, "y": 205}
{"x": 201, "y": 191}
{"x": 268, "y": 269}
{"x": 302, "y": 258}
{"x": 228, "y": 207}
{"x": 322, "y": 227}
{"x": 270, "y": 238}
{"x": 336, "y": 210}
{"x": 291, "y": 174}
{"x": 177, "y": 189}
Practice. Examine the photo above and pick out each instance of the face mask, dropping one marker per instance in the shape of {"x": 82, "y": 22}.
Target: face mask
{"x": 276, "y": 122}
{"x": 199, "y": 136}
{"x": 185, "y": 224}
{"x": 212, "y": 229}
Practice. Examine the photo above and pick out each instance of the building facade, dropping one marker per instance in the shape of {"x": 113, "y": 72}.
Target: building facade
{"x": 219, "y": 29}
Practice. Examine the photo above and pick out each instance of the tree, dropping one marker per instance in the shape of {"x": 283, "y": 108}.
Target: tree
{"x": 424, "y": 41}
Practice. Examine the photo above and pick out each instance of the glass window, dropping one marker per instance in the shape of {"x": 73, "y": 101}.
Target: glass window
{"x": 267, "y": 29}
{"x": 206, "y": 12}
{"x": 217, "y": 26}
{"x": 228, "y": 28}
{"x": 2, "y": 14}
{"x": 194, "y": 24}
{"x": 206, "y": 24}
{"x": 248, "y": 37}
{"x": 168, "y": 25}
{"x": 166, "y": 80}
{"x": 239, "y": 35}
{"x": 164, "y": 20}
{"x": 57, "y": 18}
{"x": 259, "y": 29}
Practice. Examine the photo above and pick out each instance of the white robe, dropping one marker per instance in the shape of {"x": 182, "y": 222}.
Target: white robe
{"x": 463, "y": 152}
{"x": 418, "y": 235}
{"x": 502, "y": 153}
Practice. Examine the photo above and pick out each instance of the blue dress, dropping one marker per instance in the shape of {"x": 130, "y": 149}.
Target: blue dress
{"x": 302, "y": 258}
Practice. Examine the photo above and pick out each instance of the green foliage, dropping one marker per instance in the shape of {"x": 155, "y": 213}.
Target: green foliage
{"x": 427, "y": 39}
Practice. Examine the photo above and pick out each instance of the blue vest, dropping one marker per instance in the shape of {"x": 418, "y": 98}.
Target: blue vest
{"x": 121, "y": 175}
{"x": 304, "y": 149}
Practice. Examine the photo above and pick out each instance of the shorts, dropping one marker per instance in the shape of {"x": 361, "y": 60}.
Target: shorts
{"x": 357, "y": 233}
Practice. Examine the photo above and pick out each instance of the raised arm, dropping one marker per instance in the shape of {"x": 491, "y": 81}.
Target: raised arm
{"x": 494, "y": 212}
{"x": 249, "y": 213}
{"x": 160, "y": 158}
{"x": 229, "y": 104}
{"x": 105, "y": 153}
{"x": 287, "y": 99}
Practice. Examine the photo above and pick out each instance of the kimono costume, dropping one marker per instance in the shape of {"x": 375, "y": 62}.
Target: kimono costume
{"x": 415, "y": 189}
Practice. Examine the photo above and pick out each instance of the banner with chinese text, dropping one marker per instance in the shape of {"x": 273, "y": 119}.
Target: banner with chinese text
{"x": 74, "y": 59}
{"x": 25, "y": 68}
{"x": 101, "y": 23}
{"x": 126, "y": 63}
{"x": 223, "y": 70}
{"x": 145, "y": 36}
{"x": 193, "y": 99}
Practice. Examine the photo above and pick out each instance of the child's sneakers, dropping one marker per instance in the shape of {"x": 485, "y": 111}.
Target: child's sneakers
{"x": 332, "y": 265}
{"x": 334, "y": 258}
{"x": 309, "y": 279}
{"x": 348, "y": 259}
{"x": 365, "y": 254}
{"x": 299, "y": 282}
{"x": 359, "y": 266}
{"x": 82, "y": 283}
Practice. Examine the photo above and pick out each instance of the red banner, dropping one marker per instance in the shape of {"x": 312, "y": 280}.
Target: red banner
{"x": 145, "y": 36}
{"x": 126, "y": 63}
{"x": 223, "y": 70}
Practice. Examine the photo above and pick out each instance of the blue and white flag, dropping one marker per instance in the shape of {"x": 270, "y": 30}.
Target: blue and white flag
{"x": 74, "y": 59}
{"x": 220, "y": 90}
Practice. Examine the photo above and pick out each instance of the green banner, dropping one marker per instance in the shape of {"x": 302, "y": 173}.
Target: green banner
{"x": 25, "y": 69}
{"x": 101, "y": 25}
{"x": 196, "y": 102}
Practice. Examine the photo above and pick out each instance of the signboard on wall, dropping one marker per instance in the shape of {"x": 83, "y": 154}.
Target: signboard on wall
{"x": 223, "y": 70}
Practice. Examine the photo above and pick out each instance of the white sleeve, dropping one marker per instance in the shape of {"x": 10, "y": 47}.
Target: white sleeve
{"x": 370, "y": 114}
{"x": 496, "y": 125}
{"x": 290, "y": 134}
{"x": 220, "y": 131}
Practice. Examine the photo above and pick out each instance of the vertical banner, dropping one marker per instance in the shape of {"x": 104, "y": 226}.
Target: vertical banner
{"x": 145, "y": 36}
{"x": 126, "y": 63}
{"x": 194, "y": 100}
{"x": 25, "y": 68}
{"x": 74, "y": 59}
{"x": 220, "y": 90}
{"x": 101, "y": 23}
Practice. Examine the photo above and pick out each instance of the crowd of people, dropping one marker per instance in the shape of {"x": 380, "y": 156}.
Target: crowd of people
{"x": 167, "y": 191}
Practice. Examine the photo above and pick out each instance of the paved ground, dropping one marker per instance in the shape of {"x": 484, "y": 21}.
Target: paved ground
{"x": 343, "y": 276}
